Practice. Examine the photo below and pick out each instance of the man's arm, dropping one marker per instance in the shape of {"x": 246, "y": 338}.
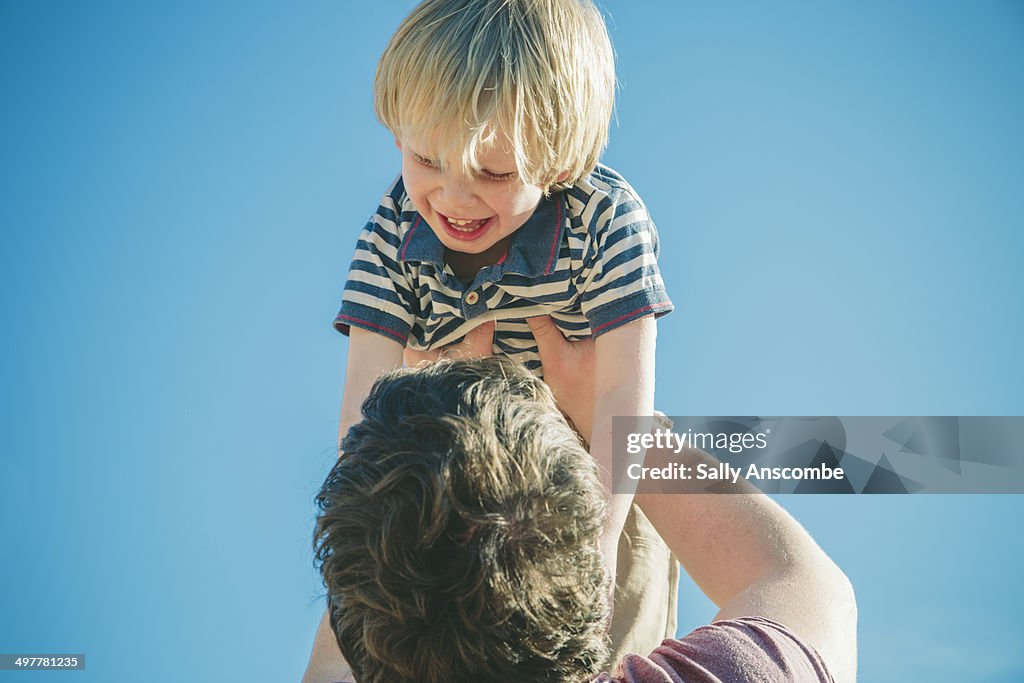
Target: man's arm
{"x": 751, "y": 558}
{"x": 568, "y": 372}
{"x": 747, "y": 554}
{"x": 326, "y": 664}
{"x": 623, "y": 386}
{"x": 369, "y": 356}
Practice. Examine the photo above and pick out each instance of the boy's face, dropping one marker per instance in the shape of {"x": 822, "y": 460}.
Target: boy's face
{"x": 468, "y": 214}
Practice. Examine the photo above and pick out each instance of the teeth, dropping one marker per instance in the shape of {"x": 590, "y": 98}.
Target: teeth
{"x": 466, "y": 224}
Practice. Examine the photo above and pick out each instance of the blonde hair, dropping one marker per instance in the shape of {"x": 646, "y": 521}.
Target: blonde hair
{"x": 458, "y": 72}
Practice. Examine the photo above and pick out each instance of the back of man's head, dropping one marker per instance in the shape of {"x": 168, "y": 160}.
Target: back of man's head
{"x": 458, "y": 532}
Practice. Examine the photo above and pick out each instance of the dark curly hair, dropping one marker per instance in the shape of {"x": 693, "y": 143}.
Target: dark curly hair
{"x": 458, "y": 533}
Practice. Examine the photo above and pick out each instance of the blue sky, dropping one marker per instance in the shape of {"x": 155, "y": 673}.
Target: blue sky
{"x": 837, "y": 189}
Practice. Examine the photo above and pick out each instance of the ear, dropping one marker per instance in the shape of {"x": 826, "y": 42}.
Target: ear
{"x": 562, "y": 176}
{"x": 398, "y": 143}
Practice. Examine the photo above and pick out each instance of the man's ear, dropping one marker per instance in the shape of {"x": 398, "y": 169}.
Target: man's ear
{"x": 398, "y": 143}
{"x": 562, "y": 176}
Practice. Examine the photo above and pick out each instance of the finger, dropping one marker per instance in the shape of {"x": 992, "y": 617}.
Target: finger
{"x": 480, "y": 341}
{"x": 477, "y": 343}
{"x": 549, "y": 338}
{"x": 413, "y": 357}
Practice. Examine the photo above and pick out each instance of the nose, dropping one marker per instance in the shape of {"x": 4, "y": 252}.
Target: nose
{"x": 457, "y": 191}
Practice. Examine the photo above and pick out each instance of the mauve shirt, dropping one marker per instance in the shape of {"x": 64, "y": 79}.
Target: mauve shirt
{"x": 746, "y": 650}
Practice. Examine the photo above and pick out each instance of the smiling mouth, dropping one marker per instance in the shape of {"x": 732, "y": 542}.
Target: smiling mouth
{"x": 466, "y": 228}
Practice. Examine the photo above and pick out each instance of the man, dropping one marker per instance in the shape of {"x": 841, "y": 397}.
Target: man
{"x": 458, "y": 542}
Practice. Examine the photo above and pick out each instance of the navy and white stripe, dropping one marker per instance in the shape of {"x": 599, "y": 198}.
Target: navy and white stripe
{"x": 587, "y": 257}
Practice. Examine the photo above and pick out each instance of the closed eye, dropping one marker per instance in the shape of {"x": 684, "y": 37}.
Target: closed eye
{"x": 429, "y": 163}
{"x": 498, "y": 177}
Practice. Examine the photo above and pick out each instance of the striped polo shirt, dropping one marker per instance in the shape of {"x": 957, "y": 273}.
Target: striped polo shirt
{"x": 587, "y": 257}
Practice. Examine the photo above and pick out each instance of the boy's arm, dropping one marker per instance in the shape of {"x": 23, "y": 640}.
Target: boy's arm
{"x": 623, "y": 386}
{"x": 369, "y": 356}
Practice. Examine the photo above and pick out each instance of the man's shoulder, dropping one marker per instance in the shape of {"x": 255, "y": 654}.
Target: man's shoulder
{"x": 730, "y": 651}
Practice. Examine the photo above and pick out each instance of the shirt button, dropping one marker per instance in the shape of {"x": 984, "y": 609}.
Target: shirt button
{"x": 472, "y": 298}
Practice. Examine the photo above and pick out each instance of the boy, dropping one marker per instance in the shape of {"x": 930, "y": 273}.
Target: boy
{"x": 500, "y": 110}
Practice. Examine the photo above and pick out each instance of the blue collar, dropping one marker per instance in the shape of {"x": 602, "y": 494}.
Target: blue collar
{"x": 533, "y": 251}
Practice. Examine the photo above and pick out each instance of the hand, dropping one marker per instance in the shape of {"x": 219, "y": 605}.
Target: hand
{"x": 478, "y": 343}
{"x": 568, "y": 370}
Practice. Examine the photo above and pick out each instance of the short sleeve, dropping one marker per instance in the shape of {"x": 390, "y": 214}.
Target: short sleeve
{"x": 378, "y": 293}
{"x": 622, "y": 282}
{"x": 744, "y": 650}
